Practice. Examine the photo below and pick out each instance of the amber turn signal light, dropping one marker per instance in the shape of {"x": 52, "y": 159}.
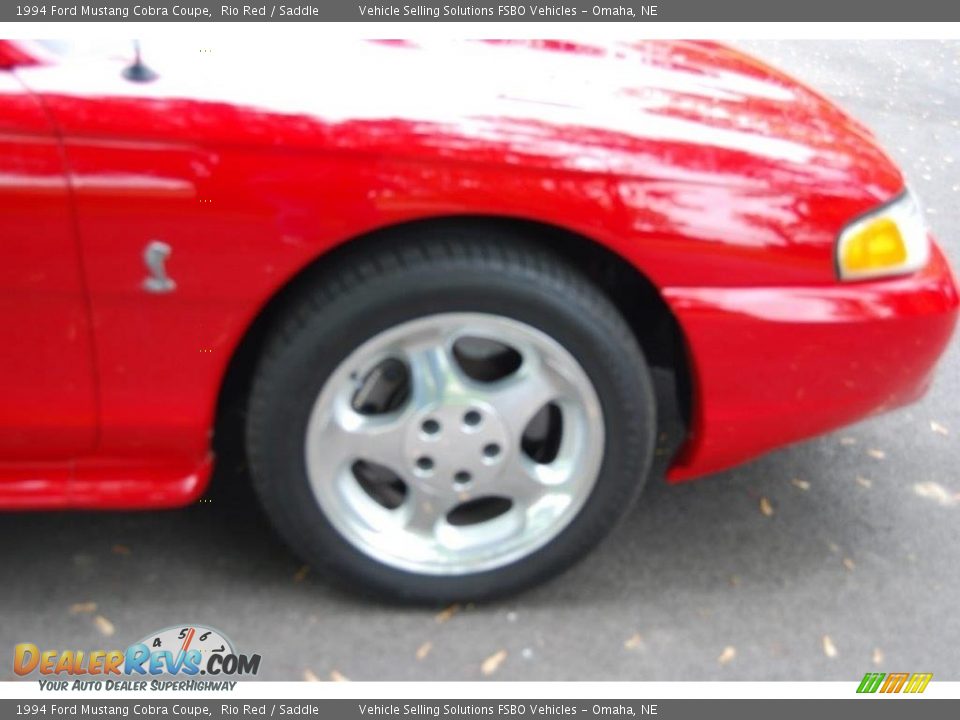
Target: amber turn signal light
{"x": 889, "y": 241}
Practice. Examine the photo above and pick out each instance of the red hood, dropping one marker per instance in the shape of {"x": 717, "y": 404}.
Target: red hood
{"x": 677, "y": 115}
{"x": 637, "y": 110}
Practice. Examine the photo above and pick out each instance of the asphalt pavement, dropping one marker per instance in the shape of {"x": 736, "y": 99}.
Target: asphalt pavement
{"x": 821, "y": 561}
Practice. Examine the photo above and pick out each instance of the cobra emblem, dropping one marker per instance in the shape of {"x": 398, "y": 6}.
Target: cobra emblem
{"x": 155, "y": 257}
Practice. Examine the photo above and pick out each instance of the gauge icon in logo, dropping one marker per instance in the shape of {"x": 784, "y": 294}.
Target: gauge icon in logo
{"x": 182, "y": 639}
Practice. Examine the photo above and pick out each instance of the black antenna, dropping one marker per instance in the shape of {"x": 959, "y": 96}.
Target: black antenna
{"x": 138, "y": 72}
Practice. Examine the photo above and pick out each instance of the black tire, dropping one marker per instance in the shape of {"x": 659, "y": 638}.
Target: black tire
{"x": 363, "y": 293}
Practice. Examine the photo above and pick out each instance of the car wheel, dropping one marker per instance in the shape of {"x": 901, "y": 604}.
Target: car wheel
{"x": 449, "y": 418}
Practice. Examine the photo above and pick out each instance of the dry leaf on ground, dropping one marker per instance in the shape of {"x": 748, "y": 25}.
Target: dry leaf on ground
{"x": 938, "y": 428}
{"x": 876, "y": 454}
{"x": 877, "y": 656}
{"x": 728, "y": 654}
{"x": 936, "y": 492}
{"x": 83, "y": 608}
{"x": 848, "y": 441}
{"x": 310, "y": 676}
{"x": 765, "y": 507}
{"x": 864, "y": 482}
{"x": 802, "y": 484}
{"x": 633, "y": 642}
{"x": 337, "y": 676}
{"x": 424, "y": 650}
{"x": 493, "y": 663}
{"x": 104, "y": 626}
{"x": 849, "y": 564}
{"x": 447, "y": 613}
{"x": 829, "y": 649}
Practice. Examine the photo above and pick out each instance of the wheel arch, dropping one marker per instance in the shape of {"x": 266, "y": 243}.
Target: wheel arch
{"x": 635, "y": 296}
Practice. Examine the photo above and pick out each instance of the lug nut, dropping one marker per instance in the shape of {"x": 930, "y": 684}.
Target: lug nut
{"x": 491, "y": 451}
{"x": 471, "y": 418}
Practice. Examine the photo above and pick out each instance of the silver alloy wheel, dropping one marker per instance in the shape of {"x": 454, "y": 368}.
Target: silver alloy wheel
{"x": 453, "y": 443}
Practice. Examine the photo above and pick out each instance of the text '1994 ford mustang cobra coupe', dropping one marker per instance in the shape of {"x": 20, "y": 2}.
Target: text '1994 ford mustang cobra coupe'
{"x": 434, "y": 277}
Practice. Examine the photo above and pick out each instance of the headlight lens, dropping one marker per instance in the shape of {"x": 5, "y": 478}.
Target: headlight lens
{"x": 891, "y": 240}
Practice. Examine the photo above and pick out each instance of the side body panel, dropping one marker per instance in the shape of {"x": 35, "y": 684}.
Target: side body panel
{"x": 47, "y": 397}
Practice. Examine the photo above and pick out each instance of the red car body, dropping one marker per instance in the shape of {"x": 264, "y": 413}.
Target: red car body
{"x": 724, "y": 182}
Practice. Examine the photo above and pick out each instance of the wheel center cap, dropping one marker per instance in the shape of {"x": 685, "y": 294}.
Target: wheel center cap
{"x": 457, "y": 445}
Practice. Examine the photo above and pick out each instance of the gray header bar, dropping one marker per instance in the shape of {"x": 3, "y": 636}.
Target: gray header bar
{"x": 483, "y": 11}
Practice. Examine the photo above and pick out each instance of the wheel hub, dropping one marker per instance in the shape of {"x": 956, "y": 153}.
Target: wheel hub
{"x": 457, "y": 445}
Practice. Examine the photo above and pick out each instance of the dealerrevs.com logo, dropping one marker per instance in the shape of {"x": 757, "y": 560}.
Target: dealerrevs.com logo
{"x": 184, "y": 651}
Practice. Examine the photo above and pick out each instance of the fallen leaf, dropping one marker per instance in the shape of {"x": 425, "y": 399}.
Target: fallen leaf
{"x": 310, "y": 676}
{"x": 938, "y": 428}
{"x": 876, "y": 454}
{"x": 734, "y": 580}
{"x": 829, "y": 649}
{"x": 447, "y": 613}
{"x": 765, "y": 507}
{"x": 877, "y": 656}
{"x": 728, "y": 654}
{"x": 848, "y": 441}
{"x": 337, "y": 676}
{"x": 849, "y": 564}
{"x": 121, "y": 550}
{"x": 802, "y": 484}
{"x": 84, "y": 607}
{"x": 424, "y": 650}
{"x": 834, "y": 548}
{"x": 103, "y": 625}
{"x": 300, "y": 574}
{"x": 492, "y": 663}
{"x": 936, "y": 492}
{"x": 864, "y": 482}
{"x": 633, "y": 642}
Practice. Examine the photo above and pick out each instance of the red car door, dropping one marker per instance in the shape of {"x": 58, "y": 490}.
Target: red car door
{"x": 48, "y": 408}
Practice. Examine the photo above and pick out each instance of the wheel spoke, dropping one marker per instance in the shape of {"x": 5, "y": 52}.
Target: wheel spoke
{"x": 520, "y": 482}
{"x": 423, "y": 510}
{"x": 433, "y": 373}
{"x": 352, "y": 436}
{"x": 520, "y": 397}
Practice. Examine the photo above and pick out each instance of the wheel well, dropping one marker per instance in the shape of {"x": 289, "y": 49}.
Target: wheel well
{"x": 654, "y": 326}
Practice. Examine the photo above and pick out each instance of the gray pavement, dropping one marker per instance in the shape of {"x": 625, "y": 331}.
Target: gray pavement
{"x": 844, "y": 577}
